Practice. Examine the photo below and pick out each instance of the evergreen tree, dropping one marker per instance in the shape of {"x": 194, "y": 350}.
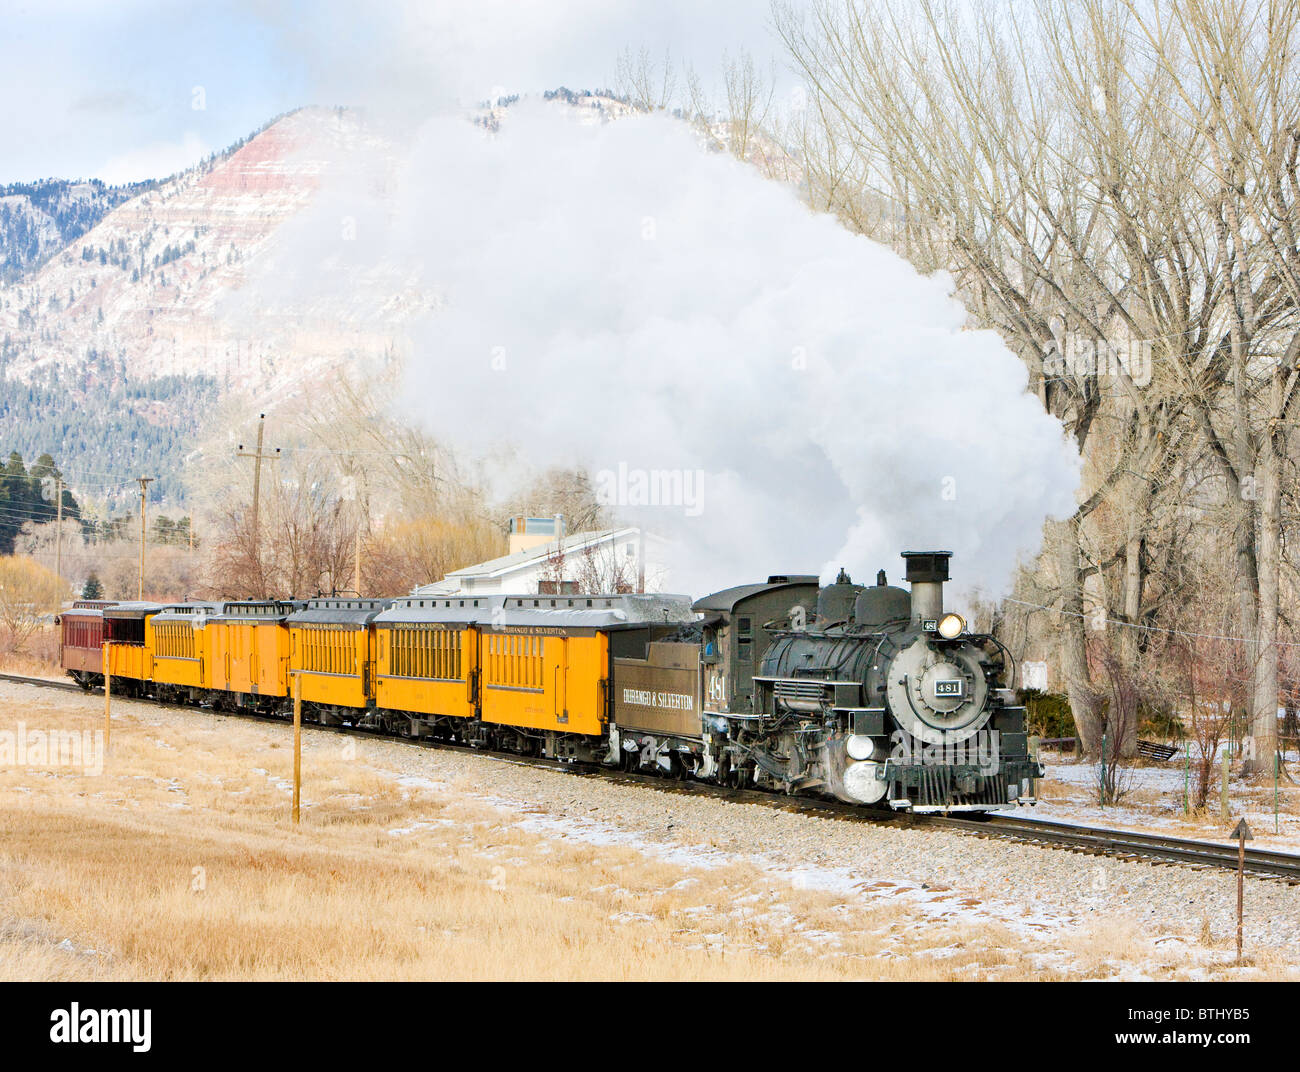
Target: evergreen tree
{"x": 93, "y": 589}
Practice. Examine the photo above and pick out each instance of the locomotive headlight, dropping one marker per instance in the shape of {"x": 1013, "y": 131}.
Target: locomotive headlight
{"x": 951, "y": 626}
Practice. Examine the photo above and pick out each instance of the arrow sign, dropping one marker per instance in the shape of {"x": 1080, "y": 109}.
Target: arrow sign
{"x": 1242, "y": 833}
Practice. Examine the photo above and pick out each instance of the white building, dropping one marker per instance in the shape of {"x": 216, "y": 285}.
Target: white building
{"x": 606, "y": 560}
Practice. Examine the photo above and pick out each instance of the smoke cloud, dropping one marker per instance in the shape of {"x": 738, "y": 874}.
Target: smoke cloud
{"x": 766, "y": 390}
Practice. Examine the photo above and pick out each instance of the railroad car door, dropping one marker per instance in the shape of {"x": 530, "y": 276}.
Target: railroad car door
{"x": 469, "y": 641}
{"x": 254, "y": 660}
{"x": 560, "y": 692}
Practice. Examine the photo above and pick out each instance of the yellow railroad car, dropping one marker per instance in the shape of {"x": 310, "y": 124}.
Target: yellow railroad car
{"x": 248, "y": 645}
{"x": 427, "y": 662}
{"x": 546, "y": 659}
{"x": 175, "y": 648}
{"x": 330, "y": 647}
{"x": 129, "y": 664}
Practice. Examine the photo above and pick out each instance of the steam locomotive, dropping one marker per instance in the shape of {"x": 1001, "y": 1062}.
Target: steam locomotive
{"x": 870, "y": 694}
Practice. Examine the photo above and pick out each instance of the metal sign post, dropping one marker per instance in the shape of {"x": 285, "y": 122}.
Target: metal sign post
{"x": 1242, "y": 834}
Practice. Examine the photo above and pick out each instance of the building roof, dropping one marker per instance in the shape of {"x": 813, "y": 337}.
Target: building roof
{"x": 506, "y": 564}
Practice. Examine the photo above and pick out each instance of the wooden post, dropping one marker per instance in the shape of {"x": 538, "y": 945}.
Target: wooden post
{"x": 258, "y": 456}
{"x": 297, "y": 744}
{"x": 1242, "y": 834}
{"x": 108, "y": 724}
{"x": 145, "y": 481}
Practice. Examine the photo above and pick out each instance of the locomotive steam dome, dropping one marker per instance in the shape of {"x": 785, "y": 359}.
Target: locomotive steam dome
{"x": 881, "y": 603}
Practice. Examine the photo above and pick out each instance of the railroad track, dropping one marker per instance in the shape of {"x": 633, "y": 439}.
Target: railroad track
{"x": 1099, "y": 841}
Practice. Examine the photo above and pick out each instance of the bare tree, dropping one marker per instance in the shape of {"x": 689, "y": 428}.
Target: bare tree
{"x": 646, "y": 84}
{"x": 1106, "y": 180}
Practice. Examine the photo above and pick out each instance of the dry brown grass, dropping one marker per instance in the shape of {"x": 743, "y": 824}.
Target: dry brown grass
{"x": 180, "y": 862}
{"x": 36, "y": 656}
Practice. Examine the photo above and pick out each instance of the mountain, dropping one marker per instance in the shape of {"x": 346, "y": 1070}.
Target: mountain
{"x": 37, "y": 219}
{"x": 115, "y": 348}
{"x": 128, "y": 313}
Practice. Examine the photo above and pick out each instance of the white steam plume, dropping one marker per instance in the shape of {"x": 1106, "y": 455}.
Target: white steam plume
{"x": 614, "y": 296}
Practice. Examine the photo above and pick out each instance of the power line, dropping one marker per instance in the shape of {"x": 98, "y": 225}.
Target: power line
{"x": 1149, "y": 628}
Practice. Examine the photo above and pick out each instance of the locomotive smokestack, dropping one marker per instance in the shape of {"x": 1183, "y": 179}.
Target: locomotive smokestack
{"x": 926, "y": 572}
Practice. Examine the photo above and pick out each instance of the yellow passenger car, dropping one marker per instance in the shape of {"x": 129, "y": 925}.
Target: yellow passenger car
{"x": 175, "y": 646}
{"x": 546, "y": 658}
{"x": 129, "y": 664}
{"x": 329, "y": 646}
{"x": 248, "y": 645}
{"x": 427, "y": 660}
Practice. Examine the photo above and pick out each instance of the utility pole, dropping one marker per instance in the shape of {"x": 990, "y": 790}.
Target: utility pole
{"x": 58, "y": 543}
{"x": 257, "y": 455}
{"x": 144, "y": 482}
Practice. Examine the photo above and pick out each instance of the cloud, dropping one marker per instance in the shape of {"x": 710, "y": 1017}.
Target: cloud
{"x": 154, "y": 161}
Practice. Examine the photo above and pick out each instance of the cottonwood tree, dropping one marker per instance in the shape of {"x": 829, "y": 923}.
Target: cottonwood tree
{"x": 1096, "y": 174}
{"x": 649, "y": 85}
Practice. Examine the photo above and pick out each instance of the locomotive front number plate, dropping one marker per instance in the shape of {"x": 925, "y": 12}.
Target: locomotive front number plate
{"x": 950, "y": 687}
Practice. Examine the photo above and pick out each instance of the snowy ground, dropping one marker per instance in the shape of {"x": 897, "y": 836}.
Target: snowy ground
{"x": 1153, "y": 800}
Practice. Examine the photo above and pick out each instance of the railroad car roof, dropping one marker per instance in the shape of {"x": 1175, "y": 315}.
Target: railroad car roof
{"x": 81, "y": 612}
{"x": 188, "y": 612}
{"x": 729, "y": 597}
{"x": 609, "y": 611}
{"x": 259, "y": 609}
{"x": 337, "y": 610}
{"x": 133, "y": 609}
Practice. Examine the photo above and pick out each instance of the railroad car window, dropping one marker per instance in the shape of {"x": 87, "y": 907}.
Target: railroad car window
{"x": 743, "y": 627}
{"x": 742, "y": 651}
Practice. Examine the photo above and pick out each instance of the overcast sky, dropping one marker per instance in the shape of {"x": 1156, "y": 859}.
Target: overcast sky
{"x": 133, "y": 89}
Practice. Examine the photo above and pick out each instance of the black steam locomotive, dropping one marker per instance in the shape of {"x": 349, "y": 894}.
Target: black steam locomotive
{"x": 871, "y": 694}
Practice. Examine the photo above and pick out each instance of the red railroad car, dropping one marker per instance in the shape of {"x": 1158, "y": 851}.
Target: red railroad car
{"x": 82, "y": 627}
